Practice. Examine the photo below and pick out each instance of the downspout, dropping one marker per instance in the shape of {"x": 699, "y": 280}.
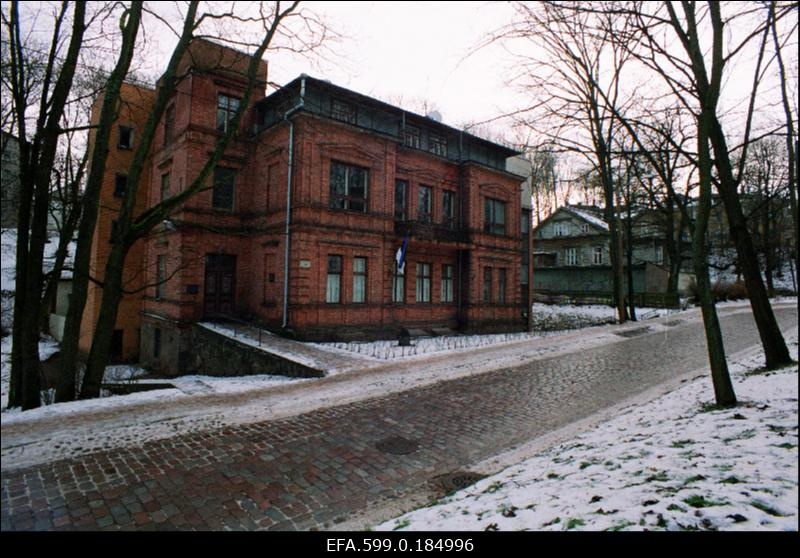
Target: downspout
{"x": 461, "y": 226}
{"x": 287, "y": 232}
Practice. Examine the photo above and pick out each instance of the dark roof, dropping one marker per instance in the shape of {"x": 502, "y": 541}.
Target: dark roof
{"x": 371, "y": 101}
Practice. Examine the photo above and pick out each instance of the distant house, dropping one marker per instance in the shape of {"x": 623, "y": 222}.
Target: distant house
{"x": 572, "y": 256}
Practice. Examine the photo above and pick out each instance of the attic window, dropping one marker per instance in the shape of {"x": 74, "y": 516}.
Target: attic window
{"x": 584, "y": 228}
{"x": 411, "y": 137}
{"x": 343, "y": 111}
{"x": 561, "y": 229}
{"x": 437, "y": 145}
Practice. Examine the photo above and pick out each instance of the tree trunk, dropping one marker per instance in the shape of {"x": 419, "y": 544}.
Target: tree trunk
{"x": 629, "y": 254}
{"x": 66, "y": 389}
{"x": 775, "y": 351}
{"x": 720, "y": 376}
{"x": 101, "y": 343}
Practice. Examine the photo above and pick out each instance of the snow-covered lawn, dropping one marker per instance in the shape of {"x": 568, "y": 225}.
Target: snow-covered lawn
{"x": 676, "y": 463}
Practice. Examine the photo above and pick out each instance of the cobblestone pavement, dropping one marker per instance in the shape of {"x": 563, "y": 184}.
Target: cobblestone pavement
{"x": 312, "y": 470}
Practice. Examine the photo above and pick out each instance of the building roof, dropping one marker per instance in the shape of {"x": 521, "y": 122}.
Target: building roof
{"x": 413, "y": 117}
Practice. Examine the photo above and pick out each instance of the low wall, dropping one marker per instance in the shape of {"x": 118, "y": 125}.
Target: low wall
{"x": 214, "y": 354}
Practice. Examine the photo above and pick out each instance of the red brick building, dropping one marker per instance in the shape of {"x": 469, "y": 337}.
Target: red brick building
{"x": 301, "y": 225}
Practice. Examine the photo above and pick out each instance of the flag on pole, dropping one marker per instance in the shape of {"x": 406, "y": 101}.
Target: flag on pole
{"x": 400, "y": 256}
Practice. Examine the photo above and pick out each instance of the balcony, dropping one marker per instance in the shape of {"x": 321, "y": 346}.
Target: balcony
{"x": 430, "y": 231}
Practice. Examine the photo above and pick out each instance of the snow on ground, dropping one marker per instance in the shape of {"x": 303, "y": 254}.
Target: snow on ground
{"x": 548, "y": 320}
{"x": 676, "y": 463}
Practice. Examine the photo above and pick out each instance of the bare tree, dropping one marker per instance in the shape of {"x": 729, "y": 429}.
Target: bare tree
{"x": 130, "y": 227}
{"x": 38, "y": 144}
{"x": 706, "y": 82}
{"x": 574, "y": 84}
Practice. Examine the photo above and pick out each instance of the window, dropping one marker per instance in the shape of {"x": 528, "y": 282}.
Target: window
{"x": 584, "y": 228}
{"x": 449, "y": 209}
{"x": 659, "y": 255}
{"x": 333, "y": 288}
{"x": 120, "y": 185}
{"x": 501, "y": 285}
{"x": 494, "y": 216}
{"x": 424, "y": 204}
{"x": 437, "y": 145}
{"x": 571, "y": 256}
{"x": 226, "y": 110}
{"x": 561, "y": 228}
{"x": 125, "y": 137}
{"x": 169, "y": 125}
{"x": 161, "y": 277}
{"x": 423, "y": 282}
{"x": 222, "y": 197}
{"x": 447, "y": 283}
{"x": 411, "y": 137}
{"x": 487, "y": 284}
{"x": 398, "y": 286}
{"x": 360, "y": 280}
{"x": 523, "y": 274}
{"x": 597, "y": 255}
{"x": 348, "y": 187}
{"x": 343, "y": 111}
{"x": 164, "y": 186}
{"x": 525, "y": 222}
{"x": 157, "y": 342}
{"x": 401, "y": 200}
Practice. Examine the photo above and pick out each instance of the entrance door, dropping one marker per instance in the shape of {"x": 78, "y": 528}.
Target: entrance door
{"x": 220, "y": 285}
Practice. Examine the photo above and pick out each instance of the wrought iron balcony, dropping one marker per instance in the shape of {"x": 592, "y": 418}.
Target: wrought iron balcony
{"x": 430, "y": 231}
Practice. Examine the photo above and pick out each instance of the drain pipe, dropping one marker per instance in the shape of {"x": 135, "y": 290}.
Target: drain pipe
{"x": 287, "y": 233}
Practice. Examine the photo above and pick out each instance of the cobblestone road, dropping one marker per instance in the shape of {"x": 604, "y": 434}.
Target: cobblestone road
{"x": 310, "y": 471}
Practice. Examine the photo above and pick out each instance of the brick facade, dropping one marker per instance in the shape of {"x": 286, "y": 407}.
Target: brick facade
{"x": 228, "y": 261}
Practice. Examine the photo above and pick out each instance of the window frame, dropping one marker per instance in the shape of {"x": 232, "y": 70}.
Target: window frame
{"x": 169, "y": 125}
{"x": 127, "y": 146}
{"x": 401, "y": 213}
{"x": 449, "y": 221}
{"x": 333, "y": 273}
{"x": 165, "y": 186}
{"x": 217, "y": 186}
{"x": 423, "y": 283}
{"x": 487, "y": 284}
{"x": 344, "y": 111}
{"x": 120, "y": 184}
{"x": 227, "y": 105}
{"x": 399, "y": 285}
{"x": 437, "y": 144}
{"x": 161, "y": 276}
{"x": 446, "y": 293}
{"x": 490, "y": 224}
{"x": 362, "y": 277}
{"x": 347, "y": 199}
{"x": 597, "y": 251}
{"x": 412, "y": 137}
{"x": 571, "y": 256}
{"x": 422, "y": 216}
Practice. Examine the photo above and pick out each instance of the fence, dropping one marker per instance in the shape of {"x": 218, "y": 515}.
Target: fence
{"x": 655, "y": 300}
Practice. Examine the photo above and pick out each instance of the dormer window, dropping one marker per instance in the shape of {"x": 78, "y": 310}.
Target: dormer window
{"x": 226, "y": 110}
{"x": 343, "y": 111}
{"x": 437, "y": 145}
{"x": 561, "y": 229}
{"x": 411, "y": 137}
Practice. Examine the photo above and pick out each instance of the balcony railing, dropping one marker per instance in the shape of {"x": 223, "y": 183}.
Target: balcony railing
{"x": 430, "y": 231}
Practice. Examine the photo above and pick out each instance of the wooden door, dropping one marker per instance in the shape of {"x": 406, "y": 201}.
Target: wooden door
{"x": 220, "y": 286}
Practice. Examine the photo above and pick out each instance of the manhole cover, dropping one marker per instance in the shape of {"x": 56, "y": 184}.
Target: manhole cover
{"x": 453, "y": 482}
{"x": 633, "y": 332}
{"x": 397, "y": 445}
